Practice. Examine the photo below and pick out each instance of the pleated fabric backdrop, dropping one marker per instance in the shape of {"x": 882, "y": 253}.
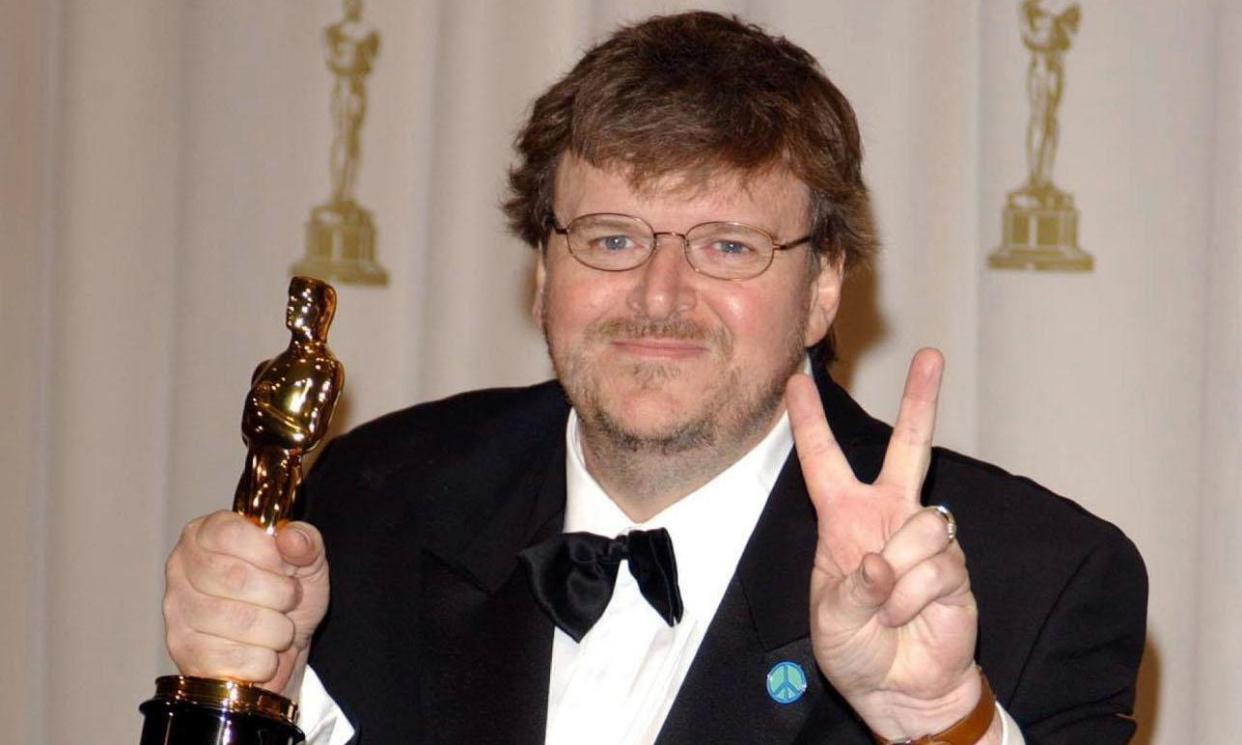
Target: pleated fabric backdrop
{"x": 158, "y": 160}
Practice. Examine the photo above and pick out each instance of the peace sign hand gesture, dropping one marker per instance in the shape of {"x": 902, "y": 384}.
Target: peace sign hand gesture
{"x": 893, "y": 620}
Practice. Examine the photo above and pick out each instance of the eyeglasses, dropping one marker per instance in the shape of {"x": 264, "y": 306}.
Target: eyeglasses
{"x": 618, "y": 243}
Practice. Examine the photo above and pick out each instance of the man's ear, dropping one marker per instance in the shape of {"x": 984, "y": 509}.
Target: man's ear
{"x": 541, "y": 273}
{"x": 825, "y": 298}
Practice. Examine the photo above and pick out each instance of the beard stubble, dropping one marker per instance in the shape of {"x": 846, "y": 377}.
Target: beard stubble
{"x": 735, "y": 413}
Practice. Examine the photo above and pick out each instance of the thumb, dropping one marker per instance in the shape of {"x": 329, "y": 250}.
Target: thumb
{"x": 301, "y": 545}
{"x": 863, "y": 592}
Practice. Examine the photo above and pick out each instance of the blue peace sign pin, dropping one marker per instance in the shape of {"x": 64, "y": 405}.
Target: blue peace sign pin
{"x": 786, "y": 682}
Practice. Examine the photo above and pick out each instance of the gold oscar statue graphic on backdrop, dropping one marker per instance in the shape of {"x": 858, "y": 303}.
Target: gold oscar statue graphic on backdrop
{"x": 286, "y": 415}
{"x": 1040, "y": 222}
{"x": 340, "y": 236}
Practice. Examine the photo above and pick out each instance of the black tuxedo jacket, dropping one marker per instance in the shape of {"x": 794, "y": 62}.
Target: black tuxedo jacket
{"x": 433, "y": 635}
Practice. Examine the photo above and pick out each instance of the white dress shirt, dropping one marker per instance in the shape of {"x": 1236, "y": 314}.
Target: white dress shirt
{"x": 617, "y": 685}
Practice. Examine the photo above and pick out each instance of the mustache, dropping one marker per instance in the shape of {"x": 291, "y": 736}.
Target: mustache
{"x": 680, "y": 329}
{"x": 632, "y": 328}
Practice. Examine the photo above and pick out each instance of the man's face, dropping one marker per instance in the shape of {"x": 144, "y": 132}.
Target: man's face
{"x": 663, "y": 358}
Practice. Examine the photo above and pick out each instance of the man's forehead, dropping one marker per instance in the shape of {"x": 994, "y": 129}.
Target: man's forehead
{"x": 707, "y": 182}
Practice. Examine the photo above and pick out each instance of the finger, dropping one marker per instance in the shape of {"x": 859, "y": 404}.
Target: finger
{"x": 909, "y": 450}
{"x": 208, "y": 656}
{"x": 301, "y": 545}
{"x": 225, "y": 576}
{"x": 239, "y": 622}
{"x": 923, "y": 535}
{"x": 229, "y": 533}
{"x": 938, "y": 579}
{"x": 824, "y": 466}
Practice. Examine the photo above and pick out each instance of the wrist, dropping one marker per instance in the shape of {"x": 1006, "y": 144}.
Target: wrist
{"x": 900, "y": 717}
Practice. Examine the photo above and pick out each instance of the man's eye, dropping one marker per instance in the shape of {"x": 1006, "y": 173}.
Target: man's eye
{"x": 732, "y": 248}
{"x": 613, "y": 243}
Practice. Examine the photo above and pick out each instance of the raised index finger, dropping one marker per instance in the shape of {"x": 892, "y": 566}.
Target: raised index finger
{"x": 909, "y": 450}
{"x": 823, "y": 464}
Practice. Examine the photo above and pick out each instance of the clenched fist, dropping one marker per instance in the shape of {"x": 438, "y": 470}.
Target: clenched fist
{"x": 242, "y": 604}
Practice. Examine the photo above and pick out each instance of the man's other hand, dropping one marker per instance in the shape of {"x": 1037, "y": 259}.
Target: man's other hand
{"x": 240, "y": 603}
{"x": 893, "y": 620}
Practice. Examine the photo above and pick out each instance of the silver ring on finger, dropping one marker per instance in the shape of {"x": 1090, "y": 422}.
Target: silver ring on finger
{"x": 950, "y": 521}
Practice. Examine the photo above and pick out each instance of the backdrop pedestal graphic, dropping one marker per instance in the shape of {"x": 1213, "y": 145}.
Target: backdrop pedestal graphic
{"x": 1039, "y": 230}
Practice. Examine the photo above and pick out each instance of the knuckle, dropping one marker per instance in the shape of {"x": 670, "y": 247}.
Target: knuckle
{"x": 927, "y": 526}
{"x": 284, "y": 633}
{"x": 190, "y": 530}
{"x": 217, "y": 518}
{"x": 290, "y": 594}
{"x": 228, "y": 534}
{"x": 935, "y": 572}
{"x": 178, "y": 651}
{"x": 264, "y": 666}
{"x": 247, "y": 663}
{"x": 234, "y": 576}
{"x": 231, "y": 658}
{"x": 933, "y": 524}
{"x": 171, "y": 609}
{"x": 955, "y": 556}
{"x": 242, "y": 617}
{"x": 220, "y": 530}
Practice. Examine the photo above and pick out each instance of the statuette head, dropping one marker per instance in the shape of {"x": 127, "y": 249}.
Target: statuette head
{"x": 312, "y": 304}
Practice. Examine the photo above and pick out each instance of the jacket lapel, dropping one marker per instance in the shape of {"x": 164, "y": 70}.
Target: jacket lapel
{"x": 486, "y": 645}
{"x": 762, "y": 621}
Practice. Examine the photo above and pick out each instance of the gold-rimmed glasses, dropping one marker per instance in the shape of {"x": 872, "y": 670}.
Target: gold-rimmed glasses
{"x": 724, "y": 250}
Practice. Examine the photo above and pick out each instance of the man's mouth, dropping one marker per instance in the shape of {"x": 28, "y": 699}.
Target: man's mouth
{"x": 659, "y": 348}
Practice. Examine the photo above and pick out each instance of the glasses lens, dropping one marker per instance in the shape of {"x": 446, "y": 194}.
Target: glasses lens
{"x": 610, "y": 242}
{"x": 729, "y": 250}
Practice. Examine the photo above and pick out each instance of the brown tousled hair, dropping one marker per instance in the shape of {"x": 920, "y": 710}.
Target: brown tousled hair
{"x": 689, "y": 95}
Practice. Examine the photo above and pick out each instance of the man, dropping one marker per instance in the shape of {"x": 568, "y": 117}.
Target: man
{"x": 694, "y": 188}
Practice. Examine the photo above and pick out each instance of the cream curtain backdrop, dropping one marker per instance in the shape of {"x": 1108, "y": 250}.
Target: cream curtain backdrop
{"x": 158, "y": 160}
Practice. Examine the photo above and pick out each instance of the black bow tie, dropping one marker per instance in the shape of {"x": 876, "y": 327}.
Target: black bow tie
{"x": 573, "y": 574}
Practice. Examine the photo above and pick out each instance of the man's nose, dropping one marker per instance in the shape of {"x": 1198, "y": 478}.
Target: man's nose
{"x": 665, "y": 286}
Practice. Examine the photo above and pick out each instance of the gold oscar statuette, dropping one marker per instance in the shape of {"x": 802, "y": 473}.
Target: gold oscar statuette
{"x": 340, "y": 235}
{"x": 1040, "y": 223}
{"x": 286, "y": 414}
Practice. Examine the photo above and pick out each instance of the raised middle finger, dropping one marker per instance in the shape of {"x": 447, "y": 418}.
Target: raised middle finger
{"x": 909, "y": 449}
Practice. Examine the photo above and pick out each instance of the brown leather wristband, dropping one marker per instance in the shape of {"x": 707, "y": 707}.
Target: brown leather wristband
{"x": 968, "y": 730}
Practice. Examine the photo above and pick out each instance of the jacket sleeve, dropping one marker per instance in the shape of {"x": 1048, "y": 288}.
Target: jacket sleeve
{"x": 1077, "y": 685}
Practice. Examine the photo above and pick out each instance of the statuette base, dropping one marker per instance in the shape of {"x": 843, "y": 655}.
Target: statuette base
{"x": 340, "y": 245}
{"x": 206, "y": 711}
{"x": 1040, "y": 231}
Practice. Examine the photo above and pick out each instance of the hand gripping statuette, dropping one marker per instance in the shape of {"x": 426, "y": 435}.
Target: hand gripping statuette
{"x": 286, "y": 414}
